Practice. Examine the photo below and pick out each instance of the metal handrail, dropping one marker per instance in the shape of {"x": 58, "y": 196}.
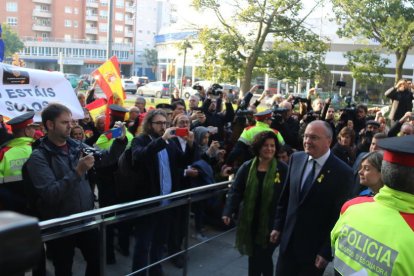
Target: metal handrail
{"x": 102, "y": 217}
{"x": 126, "y": 206}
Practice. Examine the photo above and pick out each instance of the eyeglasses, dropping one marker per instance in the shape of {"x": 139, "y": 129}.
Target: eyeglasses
{"x": 160, "y": 123}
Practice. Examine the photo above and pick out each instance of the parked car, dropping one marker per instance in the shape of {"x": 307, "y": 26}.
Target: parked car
{"x": 139, "y": 81}
{"x": 74, "y": 80}
{"x": 156, "y": 89}
{"x": 129, "y": 86}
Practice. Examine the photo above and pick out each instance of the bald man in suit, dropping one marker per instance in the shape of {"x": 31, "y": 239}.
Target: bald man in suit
{"x": 317, "y": 185}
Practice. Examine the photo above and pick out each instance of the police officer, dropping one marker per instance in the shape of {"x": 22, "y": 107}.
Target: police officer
{"x": 375, "y": 235}
{"x": 241, "y": 149}
{"x": 105, "y": 177}
{"x": 12, "y": 157}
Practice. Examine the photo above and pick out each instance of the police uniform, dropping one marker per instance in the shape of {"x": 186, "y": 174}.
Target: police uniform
{"x": 249, "y": 133}
{"x": 12, "y": 157}
{"x": 375, "y": 235}
{"x": 105, "y": 177}
{"x": 105, "y": 141}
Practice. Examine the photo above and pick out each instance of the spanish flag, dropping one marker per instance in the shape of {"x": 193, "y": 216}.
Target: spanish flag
{"x": 108, "y": 77}
{"x": 97, "y": 108}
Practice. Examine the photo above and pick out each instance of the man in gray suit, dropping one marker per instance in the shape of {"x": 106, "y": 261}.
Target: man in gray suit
{"x": 317, "y": 185}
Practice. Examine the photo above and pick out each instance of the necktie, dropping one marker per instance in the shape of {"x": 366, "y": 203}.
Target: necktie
{"x": 309, "y": 180}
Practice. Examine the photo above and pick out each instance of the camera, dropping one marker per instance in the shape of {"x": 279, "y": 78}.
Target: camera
{"x": 278, "y": 114}
{"x": 299, "y": 100}
{"x": 216, "y": 89}
{"x": 310, "y": 117}
{"x": 96, "y": 153}
{"x": 197, "y": 87}
{"x": 347, "y": 114}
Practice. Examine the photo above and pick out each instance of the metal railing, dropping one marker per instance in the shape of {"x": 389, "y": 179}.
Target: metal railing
{"x": 102, "y": 217}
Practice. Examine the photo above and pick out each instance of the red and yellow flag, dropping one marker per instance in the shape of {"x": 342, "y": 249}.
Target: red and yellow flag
{"x": 97, "y": 108}
{"x": 108, "y": 77}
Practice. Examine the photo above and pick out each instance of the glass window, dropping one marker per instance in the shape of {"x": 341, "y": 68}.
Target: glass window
{"x": 75, "y": 23}
{"x": 75, "y": 10}
{"x": 119, "y": 16}
{"x": 119, "y": 3}
{"x": 12, "y": 21}
{"x": 11, "y": 6}
{"x": 103, "y": 27}
{"x": 103, "y": 13}
{"x": 68, "y": 23}
{"x": 119, "y": 28}
{"x": 68, "y": 9}
{"x": 33, "y": 50}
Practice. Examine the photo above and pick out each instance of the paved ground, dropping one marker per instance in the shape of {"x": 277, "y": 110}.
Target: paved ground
{"x": 216, "y": 257}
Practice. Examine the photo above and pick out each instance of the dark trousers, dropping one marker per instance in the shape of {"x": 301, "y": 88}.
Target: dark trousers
{"x": 177, "y": 228}
{"x": 151, "y": 234}
{"x": 63, "y": 250}
{"x": 261, "y": 263}
{"x": 289, "y": 265}
{"x": 199, "y": 214}
{"x": 125, "y": 230}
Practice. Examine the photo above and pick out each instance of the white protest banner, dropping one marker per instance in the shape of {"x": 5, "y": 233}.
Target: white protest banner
{"x": 24, "y": 89}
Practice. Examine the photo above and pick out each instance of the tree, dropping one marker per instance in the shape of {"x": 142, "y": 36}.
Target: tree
{"x": 367, "y": 66}
{"x": 151, "y": 58}
{"x": 249, "y": 27}
{"x": 297, "y": 59}
{"x": 12, "y": 41}
{"x": 388, "y": 22}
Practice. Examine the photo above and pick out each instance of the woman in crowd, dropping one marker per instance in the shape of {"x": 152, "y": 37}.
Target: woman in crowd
{"x": 370, "y": 173}
{"x": 345, "y": 149}
{"x": 77, "y": 133}
{"x": 258, "y": 184}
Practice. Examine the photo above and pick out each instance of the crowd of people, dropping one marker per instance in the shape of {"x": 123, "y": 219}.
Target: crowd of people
{"x": 294, "y": 165}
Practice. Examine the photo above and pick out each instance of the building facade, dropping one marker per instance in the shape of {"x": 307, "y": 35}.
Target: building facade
{"x": 73, "y": 33}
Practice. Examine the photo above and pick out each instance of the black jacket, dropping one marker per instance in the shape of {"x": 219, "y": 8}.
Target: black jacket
{"x": 145, "y": 157}
{"x": 306, "y": 223}
{"x": 59, "y": 190}
{"x": 218, "y": 119}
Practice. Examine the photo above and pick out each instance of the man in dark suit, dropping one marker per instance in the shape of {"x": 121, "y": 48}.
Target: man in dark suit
{"x": 158, "y": 160}
{"x": 317, "y": 185}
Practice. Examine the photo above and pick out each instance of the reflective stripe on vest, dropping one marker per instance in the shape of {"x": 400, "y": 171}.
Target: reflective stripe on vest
{"x": 11, "y": 178}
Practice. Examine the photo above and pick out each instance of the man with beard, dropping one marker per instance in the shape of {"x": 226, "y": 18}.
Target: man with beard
{"x": 158, "y": 160}
{"x": 58, "y": 171}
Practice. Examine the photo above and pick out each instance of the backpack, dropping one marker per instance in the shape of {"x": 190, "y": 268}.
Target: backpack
{"x": 126, "y": 178}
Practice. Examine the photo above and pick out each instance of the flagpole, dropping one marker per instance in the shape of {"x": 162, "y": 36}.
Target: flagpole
{"x": 109, "y": 42}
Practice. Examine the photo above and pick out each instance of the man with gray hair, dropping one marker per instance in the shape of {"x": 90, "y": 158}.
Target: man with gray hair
{"x": 374, "y": 235}
{"x": 317, "y": 185}
{"x": 140, "y": 102}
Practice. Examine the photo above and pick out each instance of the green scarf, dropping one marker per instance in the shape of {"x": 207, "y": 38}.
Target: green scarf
{"x": 244, "y": 239}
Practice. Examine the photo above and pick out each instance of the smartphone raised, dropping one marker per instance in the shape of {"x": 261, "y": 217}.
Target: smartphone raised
{"x": 181, "y": 132}
{"x": 114, "y": 133}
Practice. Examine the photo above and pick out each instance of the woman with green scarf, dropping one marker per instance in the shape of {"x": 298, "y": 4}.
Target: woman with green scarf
{"x": 257, "y": 186}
